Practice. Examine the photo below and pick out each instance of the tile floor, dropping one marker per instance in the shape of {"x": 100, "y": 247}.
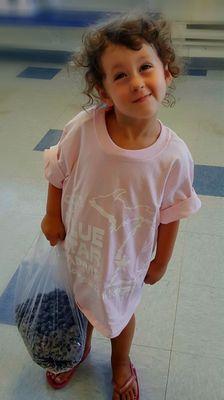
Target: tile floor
{"x": 178, "y": 345}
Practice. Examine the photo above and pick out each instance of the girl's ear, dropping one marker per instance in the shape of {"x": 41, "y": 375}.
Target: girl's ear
{"x": 104, "y": 96}
{"x": 168, "y": 76}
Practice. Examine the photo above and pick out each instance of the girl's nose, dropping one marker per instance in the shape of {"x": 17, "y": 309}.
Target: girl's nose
{"x": 137, "y": 83}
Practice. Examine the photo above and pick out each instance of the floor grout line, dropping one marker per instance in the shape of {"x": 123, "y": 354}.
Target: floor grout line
{"x": 175, "y": 317}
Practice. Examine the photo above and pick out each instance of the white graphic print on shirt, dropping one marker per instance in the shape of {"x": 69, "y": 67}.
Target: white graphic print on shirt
{"x": 86, "y": 242}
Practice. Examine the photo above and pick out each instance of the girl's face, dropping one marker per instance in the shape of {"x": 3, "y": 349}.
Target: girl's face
{"x": 135, "y": 81}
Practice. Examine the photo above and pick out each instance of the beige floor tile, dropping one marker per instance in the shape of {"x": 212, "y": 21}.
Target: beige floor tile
{"x": 203, "y": 260}
{"x": 199, "y": 325}
{"x": 193, "y": 377}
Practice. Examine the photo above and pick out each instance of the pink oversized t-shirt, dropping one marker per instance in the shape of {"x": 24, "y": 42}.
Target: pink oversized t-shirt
{"x": 113, "y": 201}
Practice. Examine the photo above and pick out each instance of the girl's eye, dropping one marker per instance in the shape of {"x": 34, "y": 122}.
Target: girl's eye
{"x": 122, "y": 74}
{"x": 146, "y": 66}
{"x": 119, "y": 76}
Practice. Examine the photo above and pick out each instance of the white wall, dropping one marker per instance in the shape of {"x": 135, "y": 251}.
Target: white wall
{"x": 192, "y": 10}
{"x": 182, "y": 10}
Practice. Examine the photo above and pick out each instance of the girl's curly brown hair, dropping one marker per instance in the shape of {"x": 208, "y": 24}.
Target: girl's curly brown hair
{"x": 129, "y": 30}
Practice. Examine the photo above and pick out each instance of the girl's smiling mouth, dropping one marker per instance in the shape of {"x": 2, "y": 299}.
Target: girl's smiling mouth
{"x": 143, "y": 98}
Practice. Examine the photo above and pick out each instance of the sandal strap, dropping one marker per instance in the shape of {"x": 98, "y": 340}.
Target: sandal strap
{"x": 124, "y": 388}
{"x": 56, "y": 374}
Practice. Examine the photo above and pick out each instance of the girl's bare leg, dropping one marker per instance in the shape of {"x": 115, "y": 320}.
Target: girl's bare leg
{"x": 120, "y": 360}
{"x": 89, "y": 335}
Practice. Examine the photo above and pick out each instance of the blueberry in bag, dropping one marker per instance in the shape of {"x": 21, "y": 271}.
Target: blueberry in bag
{"x": 51, "y": 325}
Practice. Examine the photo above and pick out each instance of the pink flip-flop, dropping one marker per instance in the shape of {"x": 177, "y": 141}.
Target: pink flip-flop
{"x": 50, "y": 376}
{"x": 124, "y": 389}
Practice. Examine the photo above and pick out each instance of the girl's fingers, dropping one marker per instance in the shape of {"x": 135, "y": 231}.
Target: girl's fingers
{"x": 53, "y": 242}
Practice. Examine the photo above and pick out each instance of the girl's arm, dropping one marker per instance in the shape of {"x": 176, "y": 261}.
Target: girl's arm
{"x": 54, "y": 201}
{"x": 52, "y": 225}
{"x": 167, "y": 234}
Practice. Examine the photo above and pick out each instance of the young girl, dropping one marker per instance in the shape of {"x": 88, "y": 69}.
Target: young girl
{"x": 120, "y": 181}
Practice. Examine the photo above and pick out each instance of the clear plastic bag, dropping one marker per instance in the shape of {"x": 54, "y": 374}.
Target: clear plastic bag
{"x": 51, "y": 325}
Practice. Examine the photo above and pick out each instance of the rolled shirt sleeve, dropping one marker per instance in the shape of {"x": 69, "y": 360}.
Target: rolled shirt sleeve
{"x": 179, "y": 199}
{"x": 53, "y": 168}
{"x": 59, "y": 160}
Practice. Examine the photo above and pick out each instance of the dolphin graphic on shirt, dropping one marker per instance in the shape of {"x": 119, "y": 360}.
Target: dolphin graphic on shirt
{"x": 133, "y": 216}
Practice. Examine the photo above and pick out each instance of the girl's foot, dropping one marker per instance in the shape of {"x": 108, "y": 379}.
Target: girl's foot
{"x": 58, "y": 381}
{"x": 125, "y": 382}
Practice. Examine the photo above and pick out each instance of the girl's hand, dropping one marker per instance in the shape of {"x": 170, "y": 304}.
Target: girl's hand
{"x": 155, "y": 272}
{"x": 53, "y": 228}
